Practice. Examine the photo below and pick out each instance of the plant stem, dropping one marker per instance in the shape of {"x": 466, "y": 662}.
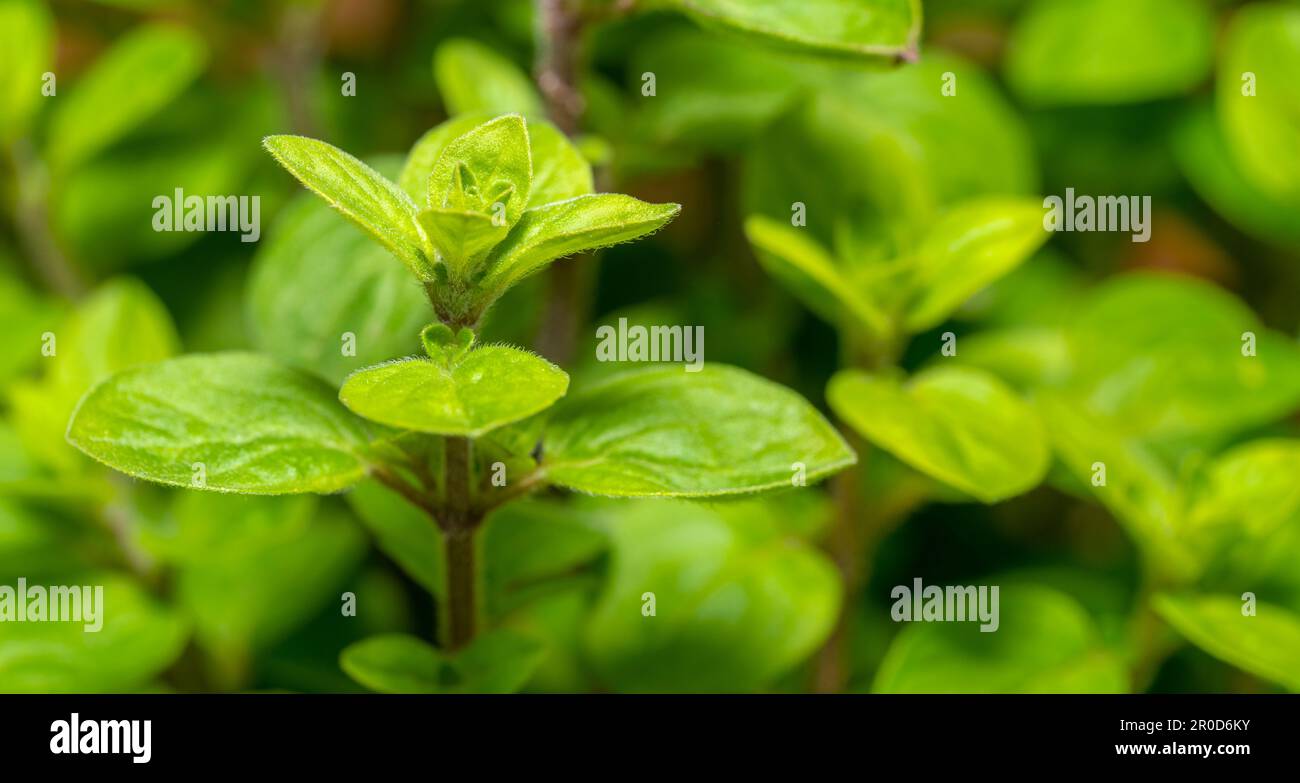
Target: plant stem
{"x": 32, "y": 221}
{"x": 556, "y": 65}
{"x": 459, "y": 527}
{"x": 295, "y": 60}
{"x": 462, "y": 587}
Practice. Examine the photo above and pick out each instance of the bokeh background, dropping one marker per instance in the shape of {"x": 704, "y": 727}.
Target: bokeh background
{"x": 1130, "y": 353}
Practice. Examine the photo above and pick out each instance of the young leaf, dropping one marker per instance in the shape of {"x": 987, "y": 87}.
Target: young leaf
{"x": 1045, "y": 642}
{"x": 808, "y": 271}
{"x": 561, "y": 229}
{"x": 870, "y": 28}
{"x": 498, "y": 662}
{"x": 1110, "y": 51}
{"x": 487, "y": 170}
{"x": 414, "y": 179}
{"x": 1261, "y": 128}
{"x": 957, "y": 424}
{"x": 139, "y": 638}
{"x": 325, "y": 299}
{"x": 736, "y": 606}
{"x": 362, "y": 194}
{"x": 663, "y": 432}
{"x": 460, "y": 237}
{"x": 143, "y": 72}
{"x": 969, "y": 247}
{"x": 25, "y": 50}
{"x": 456, "y": 391}
{"x": 559, "y": 170}
{"x": 1266, "y": 644}
{"x": 230, "y": 422}
{"x": 474, "y": 79}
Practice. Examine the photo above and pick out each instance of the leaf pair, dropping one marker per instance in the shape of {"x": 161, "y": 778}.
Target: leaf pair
{"x": 966, "y": 249}
{"x": 243, "y": 423}
{"x": 477, "y": 209}
{"x": 456, "y": 391}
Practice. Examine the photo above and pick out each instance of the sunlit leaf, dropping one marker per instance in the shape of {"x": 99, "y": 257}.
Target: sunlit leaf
{"x": 665, "y": 432}
{"x": 957, "y": 424}
{"x": 228, "y": 422}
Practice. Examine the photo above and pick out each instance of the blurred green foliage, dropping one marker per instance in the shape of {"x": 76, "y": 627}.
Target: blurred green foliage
{"x": 914, "y": 155}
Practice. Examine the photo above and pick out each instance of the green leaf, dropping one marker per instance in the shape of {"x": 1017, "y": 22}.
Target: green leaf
{"x": 24, "y": 317}
{"x": 956, "y": 424}
{"x": 1140, "y": 360}
{"x": 498, "y": 662}
{"x": 142, "y": 73}
{"x": 254, "y": 426}
{"x": 530, "y": 546}
{"x": 121, "y": 325}
{"x": 1138, "y": 488}
{"x": 1110, "y": 51}
{"x": 875, "y": 158}
{"x": 1203, "y": 156}
{"x": 1045, "y": 643}
{"x": 808, "y": 271}
{"x": 26, "y": 38}
{"x": 871, "y": 28}
{"x": 1266, "y": 644}
{"x": 362, "y": 194}
{"x": 458, "y": 391}
{"x": 403, "y": 532}
{"x": 723, "y": 90}
{"x": 487, "y": 170}
{"x": 325, "y": 299}
{"x": 1263, "y": 128}
{"x": 969, "y": 247}
{"x": 138, "y": 640}
{"x": 273, "y": 564}
{"x": 1250, "y": 490}
{"x": 664, "y": 432}
{"x": 460, "y": 237}
{"x": 474, "y": 79}
{"x": 567, "y": 227}
{"x": 1025, "y": 357}
{"x": 735, "y": 606}
{"x": 414, "y": 179}
{"x": 560, "y": 172}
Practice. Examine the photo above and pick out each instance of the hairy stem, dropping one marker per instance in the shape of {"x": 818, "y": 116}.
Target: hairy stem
{"x": 459, "y": 528}
{"x": 32, "y": 221}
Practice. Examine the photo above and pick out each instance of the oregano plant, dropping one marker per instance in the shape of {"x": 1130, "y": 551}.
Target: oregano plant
{"x": 465, "y": 428}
